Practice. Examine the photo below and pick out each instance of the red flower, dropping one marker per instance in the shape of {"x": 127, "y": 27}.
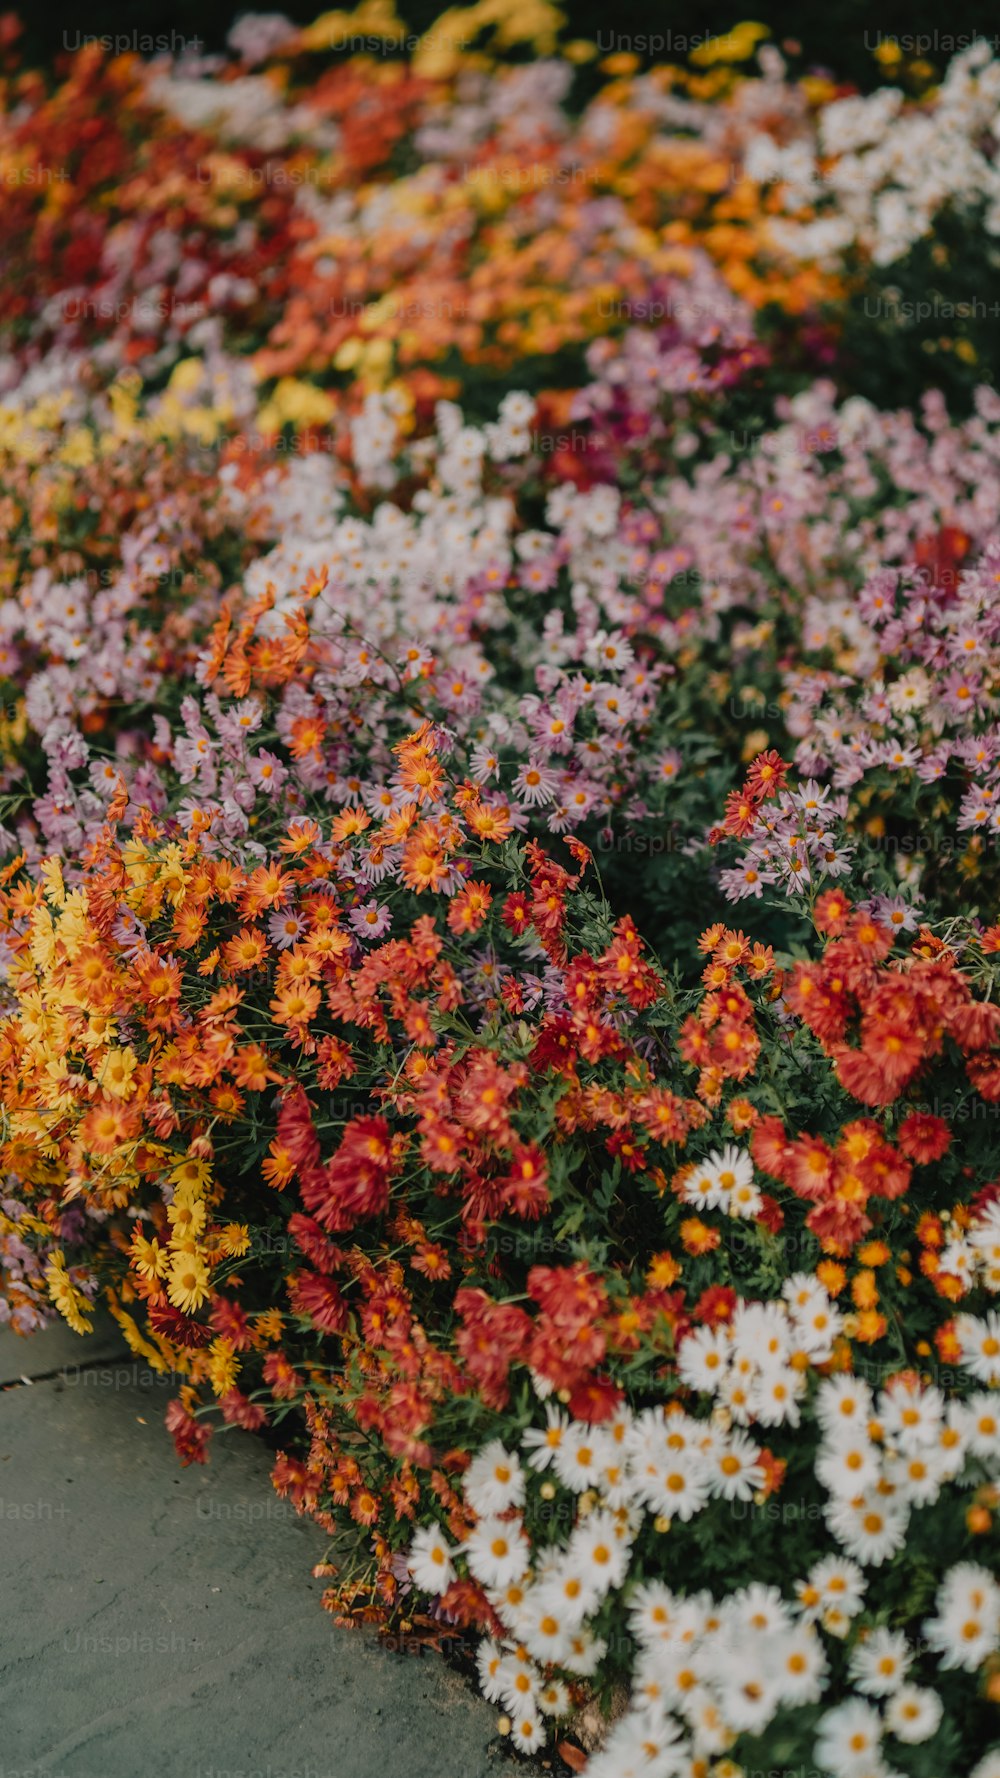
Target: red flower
{"x": 555, "y": 1047}
{"x": 740, "y": 817}
{"x": 309, "y": 1237}
{"x": 568, "y": 1293}
{"x": 189, "y": 1435}
{"x": 975, "y": 1026}
{"x": 516, "y": 913}
{"x": 770, "y": 1215}
{"x": 355, "y": 1182}
{"x": 831, "y": 912}
{"x": 766, "y": 776}
{"x": 525, "y": 1186}
{"x": 770, "y": 1147}
{"x": 715, "y": 1305}
{"x": 177, "y": 1327}
{"x": 232, "y": 1322}
{"x": 877, "y": 1074}
{"x": 595, "y": 1400}
{"x": 238, "y": 1410}
{"x": 493, "y": 1336}
{"x": 924, "y": 1137}
{"x": 296, "y": 1132}
{"x": 819, "y": 1001}
{"x": 283, "y": 1378}
{"x": 809, "y": 1169}
{"x": 318, "y": 1298}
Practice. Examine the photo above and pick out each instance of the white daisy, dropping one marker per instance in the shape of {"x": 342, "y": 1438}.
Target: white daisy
{"x": 848, "y": 1739}
{"x": 497, "y": 1551}
{"x": 542, "y": 1442}
{"x": 834, "y": 1583}
{"x": 914, "y": 1713}
{"x": 911, "y": 1417}
{"x": 733, "y": 1467}
{"x": 848, "y": 1463}
{"x": 494, "y": 1480}
{"x": 878, "y": 1665}
{"x": 581, "y": 1455}
{"x": 488, "y": 1660}
{"x": 774, "y": 1398}
{"x": 430, "y": 1560}
{"x": 801, "y": 1666}
{"x": 979, "y": 1339}
{"x": 843, "y": 1401}
{"x": 966, "y": 1629}
{"x": 527, "y": 1732}
{"x": 870, "y": 1528}
{"x": 703, "y": 1358}
{"x": 984, "y": 1426}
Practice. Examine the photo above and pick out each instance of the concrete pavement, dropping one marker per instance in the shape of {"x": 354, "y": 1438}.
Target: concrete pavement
{"x": 159, "y": 1620}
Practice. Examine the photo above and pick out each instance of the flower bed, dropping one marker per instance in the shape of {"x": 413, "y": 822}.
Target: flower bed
{"x": 471, "y": 577}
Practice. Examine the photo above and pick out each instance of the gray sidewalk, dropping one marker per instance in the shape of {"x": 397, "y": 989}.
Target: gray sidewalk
{"x": 160, "y": 1620}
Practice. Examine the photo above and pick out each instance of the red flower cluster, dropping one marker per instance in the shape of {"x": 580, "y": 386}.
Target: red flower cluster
{"x": 902, "y": 1011}
{"x": 837, "y": 1181}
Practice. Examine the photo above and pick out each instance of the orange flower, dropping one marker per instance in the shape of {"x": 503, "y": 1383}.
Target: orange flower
{"x": 349, "y": 822}
{"x": 663, "y": 1271}
{"x": 307, "y": 734}
{"x": 279, "y": 1167}
{"x": 491, "y": 823}
{"x": 420, "y": 774}
{"x": 697, "y": 1237}
{"x": 300, "y": 836}
{"x": 470, "y": 908}
{"x": 832, "y": 1276}
{"x": 296, "y": 1004}
{"x": 266, "y": 888}
{"x": 424, "y": 864}
{"x": 246, "y": 950}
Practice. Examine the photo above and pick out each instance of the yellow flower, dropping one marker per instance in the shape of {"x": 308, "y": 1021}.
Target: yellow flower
{"x": 170, "y": 875}
{"x": 187, "y": 1219}
{"x": 133, "y": 1337}
{"x": 223, "y": 1367}
{"x": 43, "y": 939}
{"x": 137, "y": 862}
{"x": 235, "y": 1239}
{"x": 186, "y": 376}
{"x": 187, "y": 1284}
{"x": 736, "y": 45}
{"x": 71, "y": 1303}
{"x": 269, "y": 1324}
{"x": 50, "y": 870}
{"x": 191, "y": 1172}
{"x": 148, "y": 1257}
{"x": 78, "y": 449}
{"x": 116, "y": 1071}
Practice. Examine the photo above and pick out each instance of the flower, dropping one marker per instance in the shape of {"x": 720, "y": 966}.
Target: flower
{"x": 497, "y": 1552}
{"x": 966, "y": 1628}
{"x": 429, "y": 1560}
{"x": 913, "y": 1713}
{"x": 494, "y": 1481}
{"x": 848, "y": 1739}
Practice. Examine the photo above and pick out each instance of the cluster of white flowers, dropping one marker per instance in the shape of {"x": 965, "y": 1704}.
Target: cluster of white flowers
{"x": 881, "y": 1457}
{"x": 974, "y": 1256}
{"x": 725, "y": 1181}
{"x": 756, "y": 1365}
{"x": 705, "y": 1671}
{"x": 878, "y": 170}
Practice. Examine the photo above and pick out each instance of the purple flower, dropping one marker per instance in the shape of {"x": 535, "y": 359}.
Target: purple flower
{"x": 370, "y": 920}
{"x": 286, "y": 927}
